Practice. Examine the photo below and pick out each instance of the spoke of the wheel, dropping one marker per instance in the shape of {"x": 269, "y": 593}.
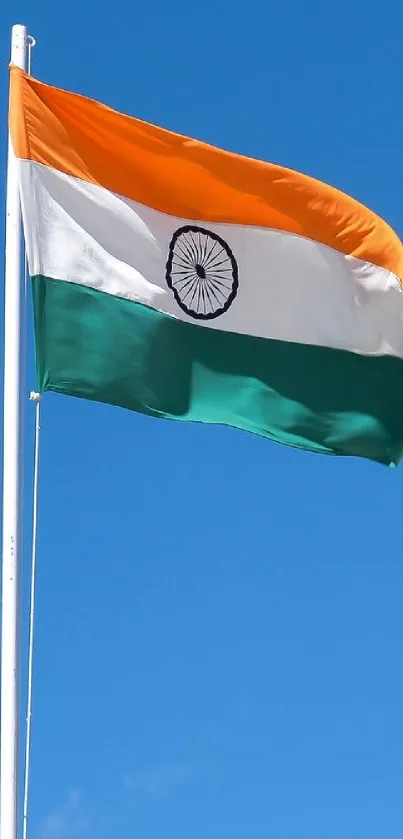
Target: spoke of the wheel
{"x": 194, "y": 294}
{"x": 220, "y": 276}
{"x": 182, "y": 272}
{"x": 184, "y": 280}
{"x": 217, "y": 288}
{"x": 185, "y": 250}
{"x": 220, "y": 281}
{"x": 215, "y": 243}
{"x": 186, "y": 285}
{"x": 217, "y": 264}
{"x": 213, "y": 292}
{"x": 204, "y": 297}
{"x": 194, "y": 243}
{"x": 198, "y": 248}
{"x": 205, "y": 249}
{"x": 181, "y": 262}
{"x": 194, "y": 280}
{"x": 213, "y": 256}
{"x": 198, "y": 295}
{"x": 208, "y": 291}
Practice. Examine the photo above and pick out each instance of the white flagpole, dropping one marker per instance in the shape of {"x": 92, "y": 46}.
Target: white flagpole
{"x": 11, "y": 476}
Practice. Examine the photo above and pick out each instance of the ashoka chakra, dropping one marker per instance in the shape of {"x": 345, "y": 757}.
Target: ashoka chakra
{"x": 202, "y": 272}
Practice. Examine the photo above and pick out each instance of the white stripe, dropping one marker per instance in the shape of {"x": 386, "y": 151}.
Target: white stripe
{"x": 290, "y": 288}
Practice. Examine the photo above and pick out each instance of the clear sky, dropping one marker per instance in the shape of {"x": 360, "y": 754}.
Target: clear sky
{"x": 219, "y": 619}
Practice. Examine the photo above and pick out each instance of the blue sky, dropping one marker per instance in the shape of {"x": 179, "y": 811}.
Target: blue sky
{"x": 219, "y": 619}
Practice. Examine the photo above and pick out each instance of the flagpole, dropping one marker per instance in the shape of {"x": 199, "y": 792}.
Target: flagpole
{"x": 11, "y": 475}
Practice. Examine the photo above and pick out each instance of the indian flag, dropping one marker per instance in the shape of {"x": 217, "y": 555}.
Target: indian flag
{"x": 183, "y": 281}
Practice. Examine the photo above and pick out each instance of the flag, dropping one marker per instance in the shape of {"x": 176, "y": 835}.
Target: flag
{"x": 183, "y": 281}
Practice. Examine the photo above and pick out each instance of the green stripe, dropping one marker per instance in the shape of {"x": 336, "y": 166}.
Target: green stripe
{"x": 100, "y": 347}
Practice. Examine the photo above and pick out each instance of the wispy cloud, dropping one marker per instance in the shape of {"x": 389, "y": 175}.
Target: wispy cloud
{"x": 159, "y": 780}
{"x": 66, "y": 820}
